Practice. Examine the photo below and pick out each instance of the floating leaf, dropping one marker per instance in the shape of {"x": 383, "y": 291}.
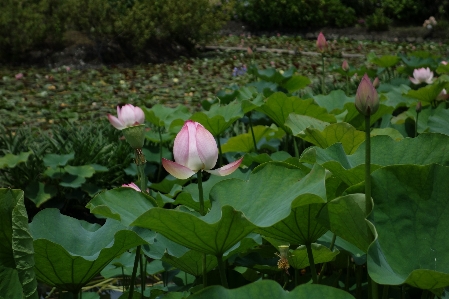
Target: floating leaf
{"x": 298, "y": 123}
{"x": 85, "y": 171}
{"x": 162, "y": 116}
{"x": 334, "y": 102}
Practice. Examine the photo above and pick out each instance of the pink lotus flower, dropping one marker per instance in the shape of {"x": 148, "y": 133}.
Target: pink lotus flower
{"x": 128, "y": 116}
{"x": 366, "y": 98}
{"x": 19, "y": 76}
{"x": 195, "y": 149}
{"x": 444, "y": 62}
{"x": 376, "y": 82}
{"x": 321, "y": 43}
{"x": 443, "y": 96}
{"x": 422, "y": 75}
{"x": 345, "y": 65}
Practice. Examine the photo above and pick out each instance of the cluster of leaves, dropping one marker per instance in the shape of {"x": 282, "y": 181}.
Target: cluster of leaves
{"x": 301, "y": 186}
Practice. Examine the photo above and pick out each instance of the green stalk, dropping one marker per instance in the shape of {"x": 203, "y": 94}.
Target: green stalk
{"x": 322, "y": 81}
{"x": 202, "y": 212}
{"x": 416, "y": 124}
{"x": 296, "y": 277}
{"x": 348, "y": 272}
{"x": 347, "y": 84}
{"x": 142, "y": 274}
{"x": 222, "y": 269}
{"x": 358, "y": 279}
{"x": 367, "y": 165}
{"x": 133, "y": 276}
{"x": 220, "y": 159}
{"x": 311, "y": 262}
{"x": 160, "y": 155}
{"x": 123, "y": 280}
{"x": 295, "y": 145}
{"x": 385, "y": 291}
{"x": 331, "y": 247}
{"x": 252, "y": 132}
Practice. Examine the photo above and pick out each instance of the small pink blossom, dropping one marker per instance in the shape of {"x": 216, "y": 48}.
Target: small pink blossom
{"x": 128, "y": 116}
{"x": 19, "y": 76}
{"x": 321, "y": 43}
{"x": 345, "y": 66}
{"x": 366, "y": 98}
{"x": 444, "y": 62}
{"x": 422, "y": 75}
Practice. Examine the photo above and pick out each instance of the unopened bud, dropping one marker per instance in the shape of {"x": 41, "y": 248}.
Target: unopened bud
{"x": 366, "y": 98}
{"x": 345, "y": 66}
{"x": 418, "y": 107}
{"x": 321, "y": 43}
{"x": 376, "y": 82}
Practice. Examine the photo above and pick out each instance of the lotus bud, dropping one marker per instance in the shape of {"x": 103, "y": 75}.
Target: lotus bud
{"x": 130, "y": 120}
{"x": 321, "y": 43}
{"x": 366, "y": 98}
{"x": 345, "y": 66}
{"x": 418, "y": 107}
{"x": 376, "y": 82}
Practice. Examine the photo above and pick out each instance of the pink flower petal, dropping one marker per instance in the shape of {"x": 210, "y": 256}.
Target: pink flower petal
{"x": 207, "y": 147}
{"x": 116, "y": 122}
{"x": 177, "y": 170}
{"x": 414, "y": 81}
{"x": 139, "y": 115}
{"x": 227, "y": 169}
{"x": 185, "y": 149}
{"x": 132, "y": 185}
{"x": 127, "y": 115}
{"x": 181, "y": 146}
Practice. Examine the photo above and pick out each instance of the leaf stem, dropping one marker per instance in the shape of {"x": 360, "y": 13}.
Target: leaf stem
{"x": 142, "y": 274}
{"x": 204, "y": 269}
{"x": 160, "y": 155}
{"x": 323, "y": 78}
{"x": 133, "y": 276}
{"x": 252, "y": 132}
{"x": 202, "y": 212}
{"x": 222, "y": 269}
{"x": 331, "y": 247}
{"x": 385, "y": 291}
{"x": 311, "y": 262}
{"x": 416, "y": 124}
{"x": 295, "y": 145}
{"x": 367, "y": 165}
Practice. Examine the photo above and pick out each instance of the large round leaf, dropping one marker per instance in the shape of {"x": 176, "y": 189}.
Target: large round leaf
{"x": 272, "y": 190}
{"x": 410, "y": 214}
{"x": 213, "y": 234}
{"x": 219, "y": 118}
{"x": 69, "y": 252}
{"x": 268, "y": 289}
{"x": 191, "y": 262}
{"x": 163, "y": 116}
{"x": 122, "y": 204}
{"x": 300, "y": 227}
{"x": 425, "y": 149}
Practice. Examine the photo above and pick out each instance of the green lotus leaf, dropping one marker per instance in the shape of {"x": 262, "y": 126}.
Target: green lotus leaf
{"x": 54, "y": 161}
{"x": 299, "y": 123}
{"x": 393, "y": 133}
{"x": 279, "y": 106}
{"x": 214, "y": 233}
{"x": 386, "y": 60}
{"x": 395, "y": 97}
{"x": 11, "y": 161}
{"x": 295, "y": 83}
{"x": 16, "y": 247}
{"x": 72, "y": 181}
{"x": 219, "y": 118}
{"x": 427, "y": 93}
{"x": 345, "y": 216}
{"x": 357, "y": 120}
{"x": 191, "y": 262}
{"x": 122, "y": 204}
{"x": 299, "y": 258}
{"x": 190, "y": 195}
{"x": 334, "y": 102}
{"x": 39, "y": 193}
{"x": 249, "y": 98}
{"x": 300, "y": 227}
{"x": 162, "y": 116}
{"x": 439, "y": 122}
{"x": 244, "y": 142}
{"x": 357, "y": 255}
{"x": 269, "y": 289}
{"x": 85, "y": 171}
{"x": 70, "y": 252}
{"x": 272, "y": 190}
{"x": 347, "y": 135}
{"x": 410, "y": 214}
{"x": 425, "y": 149}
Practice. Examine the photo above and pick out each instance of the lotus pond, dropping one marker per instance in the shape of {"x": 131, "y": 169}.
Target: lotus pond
{"x": 308, "y": 195}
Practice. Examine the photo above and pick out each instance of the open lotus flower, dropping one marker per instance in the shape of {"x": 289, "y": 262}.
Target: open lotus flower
{"x": 443, "y": 96}
{"x": 195, "y": 149}
{"x": 128, "y": 116}
{"x": 422, "y": 75}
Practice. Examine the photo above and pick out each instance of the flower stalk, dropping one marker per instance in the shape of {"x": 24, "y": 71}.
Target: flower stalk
{"x": 222, "y": 270}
